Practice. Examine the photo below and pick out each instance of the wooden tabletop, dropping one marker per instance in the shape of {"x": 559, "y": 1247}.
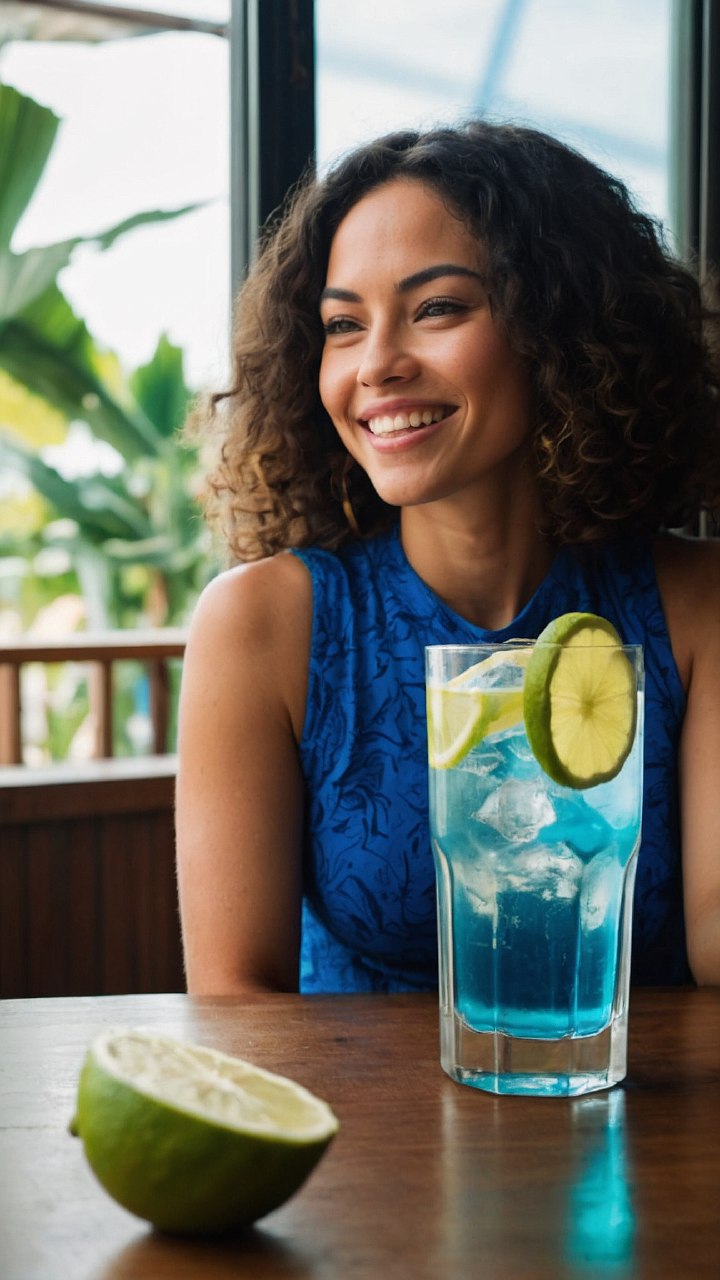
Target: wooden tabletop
{"x": 426, "y": 1178}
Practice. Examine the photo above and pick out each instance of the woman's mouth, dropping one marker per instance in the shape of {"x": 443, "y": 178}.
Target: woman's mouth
{"x": 390, "y": 423}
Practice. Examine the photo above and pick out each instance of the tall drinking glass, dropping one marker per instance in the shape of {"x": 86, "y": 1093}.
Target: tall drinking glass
{"x": 534, "y": 887}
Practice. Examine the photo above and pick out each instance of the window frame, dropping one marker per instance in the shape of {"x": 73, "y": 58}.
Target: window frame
{"x": 272, "y": 132}
{"x": 272, "y": 129}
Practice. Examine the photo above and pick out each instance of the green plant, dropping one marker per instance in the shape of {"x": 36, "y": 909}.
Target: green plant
{"x": 133, "y": 538}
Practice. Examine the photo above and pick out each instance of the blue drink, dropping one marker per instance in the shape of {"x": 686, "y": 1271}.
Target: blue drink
{"x": 535, "y": 886}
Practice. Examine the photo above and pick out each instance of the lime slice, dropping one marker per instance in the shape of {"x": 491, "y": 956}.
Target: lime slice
{"x": 459, "y": 717}
{"x": 190, "y": 1139}
{"x": 580, "y": 703}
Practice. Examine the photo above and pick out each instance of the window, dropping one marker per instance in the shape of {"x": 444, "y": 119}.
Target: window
{"x": 144, "y": 125}
{"x": 594, "y": 72}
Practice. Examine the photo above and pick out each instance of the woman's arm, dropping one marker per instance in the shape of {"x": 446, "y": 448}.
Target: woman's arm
{"x": 689, "y": 577}
{"x": 239, "y": 792}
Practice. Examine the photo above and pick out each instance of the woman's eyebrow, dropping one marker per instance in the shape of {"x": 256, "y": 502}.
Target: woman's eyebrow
{"x": 340, "y": 295}
{"x": 415, "y": 281}
{"x": 419, "y": 278}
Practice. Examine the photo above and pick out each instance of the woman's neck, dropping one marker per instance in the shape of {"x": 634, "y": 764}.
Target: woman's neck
{"x": 484, "y": 565}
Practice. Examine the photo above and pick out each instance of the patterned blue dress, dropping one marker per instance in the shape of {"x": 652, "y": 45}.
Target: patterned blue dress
{"x": 369, "y": 897}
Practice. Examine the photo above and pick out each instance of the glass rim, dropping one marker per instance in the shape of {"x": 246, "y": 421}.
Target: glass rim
{"x": 517, "y": 645}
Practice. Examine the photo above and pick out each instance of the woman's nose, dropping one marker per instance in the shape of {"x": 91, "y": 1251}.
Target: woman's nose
{"x": 385, "y": 358}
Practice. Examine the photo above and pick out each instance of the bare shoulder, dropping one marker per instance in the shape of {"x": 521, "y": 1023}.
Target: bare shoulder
{"x": 255, "y": 598}
{"x": 688, "y": 574}
{"x": 256, "y": 620}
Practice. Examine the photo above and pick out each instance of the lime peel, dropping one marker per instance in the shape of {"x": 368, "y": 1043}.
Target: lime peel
{"x": 193, "y": 1140}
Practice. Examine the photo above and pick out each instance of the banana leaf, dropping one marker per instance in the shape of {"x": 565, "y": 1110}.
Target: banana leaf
{"x": 94, "y": 503}
{"x": 25, "y": 276}
{"x": 160, "y": 390}
{"x": 27, "y": 134}
{"x": 160, "y": 551}
{"x": 32, "y": 418}
{"x": 49, "y": 350}
{"x": 43, "y": 344}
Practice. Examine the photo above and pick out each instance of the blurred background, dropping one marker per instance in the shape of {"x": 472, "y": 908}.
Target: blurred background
{"x": 141, "y": 146}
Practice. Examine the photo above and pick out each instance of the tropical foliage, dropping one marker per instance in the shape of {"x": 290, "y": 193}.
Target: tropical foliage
{"x": 125, "y": 528}
{"x": 98, "y": 524}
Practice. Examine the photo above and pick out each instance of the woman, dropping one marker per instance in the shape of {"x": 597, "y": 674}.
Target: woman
{"x": 471, "y": 391}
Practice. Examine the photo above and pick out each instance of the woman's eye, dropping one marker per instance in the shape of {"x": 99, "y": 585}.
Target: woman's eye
{"x": 339, "y": 325}
{"x": 435, "y": 307}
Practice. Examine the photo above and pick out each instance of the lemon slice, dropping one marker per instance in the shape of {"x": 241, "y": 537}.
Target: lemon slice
{"x": 580, "y": 701}
{"x": 459, "y": 716}
{"x": 191, "y": 1139}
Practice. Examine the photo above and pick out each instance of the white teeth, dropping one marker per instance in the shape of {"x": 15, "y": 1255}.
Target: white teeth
{"x": 386, "y": 424}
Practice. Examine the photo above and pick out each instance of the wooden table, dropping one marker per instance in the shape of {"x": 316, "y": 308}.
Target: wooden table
{"x": 426, "y": 1178}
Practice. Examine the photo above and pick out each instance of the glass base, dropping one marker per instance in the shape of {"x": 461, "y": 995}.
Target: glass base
{"x": 499, "y": 1063}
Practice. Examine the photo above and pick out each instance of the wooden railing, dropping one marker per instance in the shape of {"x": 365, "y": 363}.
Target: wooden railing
{"x": 100, "y": 652}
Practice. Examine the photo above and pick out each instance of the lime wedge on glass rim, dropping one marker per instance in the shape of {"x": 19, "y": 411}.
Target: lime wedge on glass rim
{"x": 191, "y": 1139}
{"x": 579, "y": 701}
{"x": 460, "y": 715}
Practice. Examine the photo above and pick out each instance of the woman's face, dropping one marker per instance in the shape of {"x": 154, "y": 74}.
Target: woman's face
{"x": 423, "y": 388}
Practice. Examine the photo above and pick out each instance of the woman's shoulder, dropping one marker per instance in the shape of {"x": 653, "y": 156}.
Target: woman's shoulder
{"x": 253, "y": 598}
{"x": 254, "y": 622}
{"x": 688, "y": 575}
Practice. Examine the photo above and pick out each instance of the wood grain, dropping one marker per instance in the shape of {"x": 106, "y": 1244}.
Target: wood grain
{"x": 88, "y": 901}
{"x": 426, "y": 1178}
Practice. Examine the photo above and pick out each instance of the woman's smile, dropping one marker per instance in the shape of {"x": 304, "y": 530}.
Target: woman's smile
{"x": 397, "y": 421}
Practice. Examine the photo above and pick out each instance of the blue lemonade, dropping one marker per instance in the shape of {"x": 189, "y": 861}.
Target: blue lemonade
{"x": 535, "y": 884}
{"x": 537, "y": 877}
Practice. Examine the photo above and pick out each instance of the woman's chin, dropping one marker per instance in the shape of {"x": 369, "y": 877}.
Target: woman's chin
{"x": 402, "y": 495}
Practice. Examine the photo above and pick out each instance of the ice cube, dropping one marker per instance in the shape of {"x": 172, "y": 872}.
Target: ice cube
{"x": 517, "y": 809}
{"x": 602, "y": 882}
{"x": 501, "y": 675}
{"x": 517, "y": 756}
{"x": 484, "y": 760}
{"x": 552, "y": 872}
{"x": 480, "y": 886}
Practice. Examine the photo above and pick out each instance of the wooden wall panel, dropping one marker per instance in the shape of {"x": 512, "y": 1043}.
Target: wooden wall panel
{"x": 82, "y": 941}
{"x": 13, "y": 914}
{"x": 88, "y": 901}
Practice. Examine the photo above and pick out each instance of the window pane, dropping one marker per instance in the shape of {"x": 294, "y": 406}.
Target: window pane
{"x": 144, "y": 126}
{"x": 594, "y": 72}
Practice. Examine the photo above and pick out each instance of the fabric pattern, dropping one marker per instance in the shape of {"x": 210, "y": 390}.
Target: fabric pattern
{"x": 369, "y": 883}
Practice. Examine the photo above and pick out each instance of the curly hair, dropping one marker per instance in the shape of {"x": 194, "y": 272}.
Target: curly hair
{"x": 612, "y": 331}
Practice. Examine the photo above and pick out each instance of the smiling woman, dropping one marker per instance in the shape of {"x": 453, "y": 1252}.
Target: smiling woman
{"x": 472, "y": 391}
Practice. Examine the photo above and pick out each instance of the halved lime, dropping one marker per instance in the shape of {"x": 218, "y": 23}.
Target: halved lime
{"x": 191, "y": 1139}
{"x": 580, "y": 701}
{"x": 459, "y": 715}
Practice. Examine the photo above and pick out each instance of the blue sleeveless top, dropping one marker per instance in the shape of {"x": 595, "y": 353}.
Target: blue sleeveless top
{"x": 369, "y": 881}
